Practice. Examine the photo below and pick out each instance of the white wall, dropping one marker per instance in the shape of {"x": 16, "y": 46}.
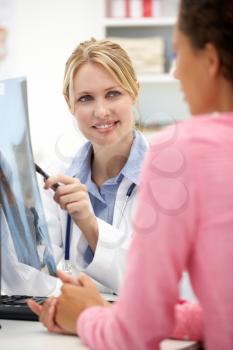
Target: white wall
{"x": 42, "y": 34}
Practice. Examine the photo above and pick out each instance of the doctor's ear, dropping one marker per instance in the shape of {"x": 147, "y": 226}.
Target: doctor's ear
{"x": 67, "y": 100}
{"x": 68, "y": 103}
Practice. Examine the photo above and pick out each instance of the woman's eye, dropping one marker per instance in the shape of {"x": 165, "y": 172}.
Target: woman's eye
{"x": 113, "y": 93}
{"x": 85, "y": 98}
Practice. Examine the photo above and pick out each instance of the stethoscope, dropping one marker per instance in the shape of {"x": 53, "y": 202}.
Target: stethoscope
{"x": 67, "y": 265}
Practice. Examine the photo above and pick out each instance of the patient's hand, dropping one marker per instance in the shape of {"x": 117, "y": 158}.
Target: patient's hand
{"x": 75, "y": 299}
{"x": 47, "y": 311}
{"x": 46, "y": 314}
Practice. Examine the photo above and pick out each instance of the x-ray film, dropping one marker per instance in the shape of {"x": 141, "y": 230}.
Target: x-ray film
{"x": 24, "y": 233}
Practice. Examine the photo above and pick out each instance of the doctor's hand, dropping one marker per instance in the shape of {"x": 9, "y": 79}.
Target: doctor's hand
{"x": 74, "y": 300}
{"x": 72, "y": 196}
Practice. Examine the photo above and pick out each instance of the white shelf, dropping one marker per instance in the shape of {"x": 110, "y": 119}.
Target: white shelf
{"x": 139, "y": 22}
{"x": 153, "y": 78}
{"x": 160, "y": 100}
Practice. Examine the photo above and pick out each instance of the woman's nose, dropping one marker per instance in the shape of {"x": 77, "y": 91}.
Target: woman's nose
{"x": 101, "y": 110}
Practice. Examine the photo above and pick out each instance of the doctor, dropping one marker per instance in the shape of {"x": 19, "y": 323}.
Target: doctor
{"x": 90, "y": 216}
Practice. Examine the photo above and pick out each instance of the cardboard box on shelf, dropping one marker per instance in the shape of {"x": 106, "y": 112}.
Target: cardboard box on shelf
{"x": 147, "y": 54}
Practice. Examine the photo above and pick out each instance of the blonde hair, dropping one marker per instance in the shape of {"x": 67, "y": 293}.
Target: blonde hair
{"x": 108, "y": 54}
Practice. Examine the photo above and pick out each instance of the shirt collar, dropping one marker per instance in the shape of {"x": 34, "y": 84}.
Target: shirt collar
{"x": 132, "y": 168}
{"x": 80, "y": 167}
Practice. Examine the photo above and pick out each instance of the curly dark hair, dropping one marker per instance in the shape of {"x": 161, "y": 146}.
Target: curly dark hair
{"x": 210, "y": 21}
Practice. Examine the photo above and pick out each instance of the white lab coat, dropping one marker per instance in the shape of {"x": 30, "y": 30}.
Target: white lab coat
{"x": 108, "y": 264}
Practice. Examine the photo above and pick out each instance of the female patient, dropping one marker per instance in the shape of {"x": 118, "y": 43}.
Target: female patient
{"x": 199, "y": 237}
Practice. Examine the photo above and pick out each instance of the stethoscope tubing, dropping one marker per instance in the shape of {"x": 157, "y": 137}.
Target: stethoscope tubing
{"x": 69, "y": 221}
{"x": 68, "y": 236}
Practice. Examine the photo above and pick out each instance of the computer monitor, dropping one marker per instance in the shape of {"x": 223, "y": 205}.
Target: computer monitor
{"x": 26, "y": 251}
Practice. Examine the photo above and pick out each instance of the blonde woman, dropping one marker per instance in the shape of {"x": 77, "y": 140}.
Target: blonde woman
{"x": 97, "y": 194}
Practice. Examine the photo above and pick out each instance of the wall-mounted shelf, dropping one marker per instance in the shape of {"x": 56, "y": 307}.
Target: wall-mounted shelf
{"x": 139, "y": 22}
{"x": 156, "y": 78}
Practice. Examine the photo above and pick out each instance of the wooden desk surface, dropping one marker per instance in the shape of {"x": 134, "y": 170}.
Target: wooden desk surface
{"x": 27, "y": 335}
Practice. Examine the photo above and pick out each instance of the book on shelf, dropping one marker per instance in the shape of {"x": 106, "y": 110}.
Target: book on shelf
{"x": 147, "y": 8}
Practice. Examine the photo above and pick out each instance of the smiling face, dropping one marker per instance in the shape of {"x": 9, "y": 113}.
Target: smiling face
{"x": 103, "y": 109}
{"x": 197, "y": 71}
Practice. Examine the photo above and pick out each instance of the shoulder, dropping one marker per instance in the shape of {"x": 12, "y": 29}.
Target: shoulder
{"x": 141, "y": 140}
{"x": 201, "y": 133}
{"x": 191, "y": 145}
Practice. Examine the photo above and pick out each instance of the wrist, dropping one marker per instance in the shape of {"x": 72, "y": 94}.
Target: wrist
{"x": 89, "y": 227}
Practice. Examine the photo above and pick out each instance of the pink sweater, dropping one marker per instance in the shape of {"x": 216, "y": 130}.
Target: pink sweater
{"x": 184, "y": 221}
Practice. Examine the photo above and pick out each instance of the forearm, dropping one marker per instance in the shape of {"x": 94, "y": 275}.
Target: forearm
{"x": 89, "y": 228}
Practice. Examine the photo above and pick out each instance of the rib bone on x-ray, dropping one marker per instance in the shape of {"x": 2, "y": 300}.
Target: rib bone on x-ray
{"x": 24, "y": 233}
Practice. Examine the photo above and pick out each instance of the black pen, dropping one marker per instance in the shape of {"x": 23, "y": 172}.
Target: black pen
{"x": 45, "y": 175}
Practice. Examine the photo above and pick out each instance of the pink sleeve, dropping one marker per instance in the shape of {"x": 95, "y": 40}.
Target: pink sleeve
{"x": 144, "y": 314}
{"x": 188, "y": 321}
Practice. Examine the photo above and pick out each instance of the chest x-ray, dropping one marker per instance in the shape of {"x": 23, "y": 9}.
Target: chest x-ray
{"x": 24, "y": 234}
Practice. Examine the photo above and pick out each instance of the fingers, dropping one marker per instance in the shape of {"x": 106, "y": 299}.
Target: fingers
{"x": 79, "y": 210}
{"x": 81, "y": 280}
{"x": 46, "y": 314}
{"x": 85, "y": 281}
{"x": 65, "y": 278}
{"x": 77, "y": 197}
{"x": 68, "y": 288}
{"x": 74, "y": 187}
{"x": 71, "y": 195}
{"x": 63, "y": 179}
{"x": 79, "y": 297}
{"x": 36, "y": 308}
